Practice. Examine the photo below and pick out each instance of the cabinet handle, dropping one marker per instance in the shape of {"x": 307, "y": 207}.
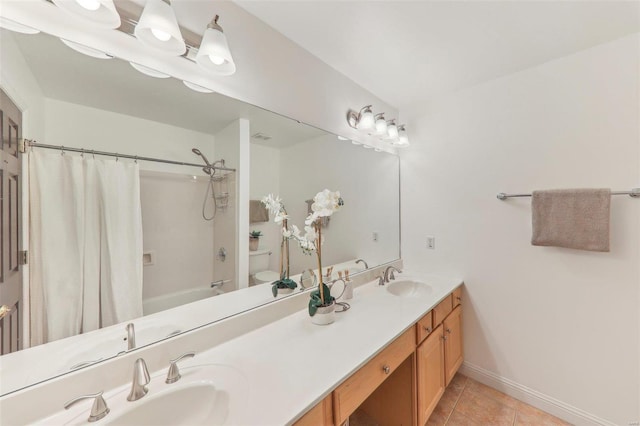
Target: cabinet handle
{"x": 443, "y": 337}
{"x": 427, "y": 329}
{"x": 458, "y": 298}
{"x": 386, "y": 369}
{"x": 448, "y": 330}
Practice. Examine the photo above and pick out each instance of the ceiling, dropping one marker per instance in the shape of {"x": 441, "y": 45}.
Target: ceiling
{"x": 113, "y": 85}
{"x": 409, "y": 52}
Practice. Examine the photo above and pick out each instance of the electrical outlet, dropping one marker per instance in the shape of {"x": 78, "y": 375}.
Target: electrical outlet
{"x": 375, "y": 236}
{"x": 431, "y": 242}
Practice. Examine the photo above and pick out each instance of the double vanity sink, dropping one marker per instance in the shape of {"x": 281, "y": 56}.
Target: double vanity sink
{"x": 267, "y": 375}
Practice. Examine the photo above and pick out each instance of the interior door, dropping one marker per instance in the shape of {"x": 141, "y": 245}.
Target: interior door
{"x": 10, "y": 271}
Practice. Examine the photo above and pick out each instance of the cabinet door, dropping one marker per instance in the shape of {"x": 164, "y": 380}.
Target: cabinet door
{"x": 453, "y": 343}
{"x": 431, "y": 380}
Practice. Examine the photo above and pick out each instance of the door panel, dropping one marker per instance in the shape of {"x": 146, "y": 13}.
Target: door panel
{"x": 10, "y": 246}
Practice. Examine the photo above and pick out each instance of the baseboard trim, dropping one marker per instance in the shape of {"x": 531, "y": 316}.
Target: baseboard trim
{"x": 532, "y": 397}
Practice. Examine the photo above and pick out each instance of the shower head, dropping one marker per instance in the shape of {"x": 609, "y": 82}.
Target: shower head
{"x": 208, "y": 168}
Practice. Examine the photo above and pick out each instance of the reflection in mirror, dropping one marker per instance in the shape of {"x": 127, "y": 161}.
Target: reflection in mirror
{"x": 308, "y": 279}
{"x": 181, "y": 247}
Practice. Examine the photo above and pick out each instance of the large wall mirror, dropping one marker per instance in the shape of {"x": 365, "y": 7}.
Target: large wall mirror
{"x": 190, "y": 269}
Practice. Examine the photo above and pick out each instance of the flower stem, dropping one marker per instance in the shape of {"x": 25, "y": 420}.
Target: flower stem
{"x": 319, "y": 253}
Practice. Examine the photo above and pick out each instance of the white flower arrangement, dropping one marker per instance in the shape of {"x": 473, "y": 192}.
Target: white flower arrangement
{"x": 325, "y": 203}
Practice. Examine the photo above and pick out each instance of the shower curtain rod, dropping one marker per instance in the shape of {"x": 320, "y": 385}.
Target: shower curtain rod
{"x": 33, "y": 144}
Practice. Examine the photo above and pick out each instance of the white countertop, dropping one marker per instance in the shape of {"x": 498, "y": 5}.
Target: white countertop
{"x": 281, "y": 361}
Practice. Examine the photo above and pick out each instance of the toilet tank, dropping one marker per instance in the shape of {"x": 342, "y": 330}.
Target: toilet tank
{"x": 259, "y": 261}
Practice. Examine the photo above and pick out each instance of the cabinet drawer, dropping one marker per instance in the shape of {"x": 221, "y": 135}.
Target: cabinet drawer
{"x": 443, "y": 309}
{"x": 457, "y": 296}
{"x": 355, "y": 390}
{"x": 424, "y": 327}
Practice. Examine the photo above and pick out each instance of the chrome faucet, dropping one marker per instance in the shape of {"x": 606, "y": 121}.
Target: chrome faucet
{"x": 99, "y": 408}
{"x": 366, "y": 266}
{"x": 141, "y": 379}
{"x": 131, "y": 336}
{"x": 174, "y": 373}
{"x": 388, "y": 273}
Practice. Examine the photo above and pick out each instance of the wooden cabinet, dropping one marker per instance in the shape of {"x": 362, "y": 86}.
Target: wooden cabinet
{"x": 402, "y": 384}
{"x": 442, "y": 309}
{"x": 424, "y": 327}
{"x": 453, "y": 343}
{"x": 356, "y": 389}
{"x": 320, "y": 415}
{"x": 430, "y": 373}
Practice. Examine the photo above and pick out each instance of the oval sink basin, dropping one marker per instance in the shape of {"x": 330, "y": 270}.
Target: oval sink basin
{"x": 196, "y": 403}
{"x": 408, "y": 288}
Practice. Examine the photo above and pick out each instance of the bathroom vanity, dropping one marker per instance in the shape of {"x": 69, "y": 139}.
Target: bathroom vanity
{"x": 389, "y": 356}
{"x": 405, "y": 381}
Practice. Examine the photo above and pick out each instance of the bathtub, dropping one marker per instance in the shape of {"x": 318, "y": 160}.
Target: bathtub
{"x": 171, "y": 300}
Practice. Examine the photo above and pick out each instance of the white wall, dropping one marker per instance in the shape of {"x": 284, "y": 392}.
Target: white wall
{"x": 561, "y": 322}
{"x": 368, "y": 183}
{"x": 265, "y": 179}
{"x": 85, "y": 127}
{"x": 231, "y": 225}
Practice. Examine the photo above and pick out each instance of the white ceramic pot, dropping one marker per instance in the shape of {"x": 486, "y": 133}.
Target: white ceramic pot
{"x": 325, "y": 315}
{"x": 285, "y": 290}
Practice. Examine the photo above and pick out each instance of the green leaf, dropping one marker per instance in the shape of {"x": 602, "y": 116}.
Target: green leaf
{"x": 312, "y": 307}
{"x": 274, "y": 288}
{"x": 289, "y": 283}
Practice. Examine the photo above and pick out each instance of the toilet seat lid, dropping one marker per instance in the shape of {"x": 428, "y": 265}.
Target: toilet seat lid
{"x": 267, "y": 276}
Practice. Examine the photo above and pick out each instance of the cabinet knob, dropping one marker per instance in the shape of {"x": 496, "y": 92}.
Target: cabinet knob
{"x": 443, "y": 337}
{"x": 427, "y": 329}
{"x": 458, "y": 298}
{"x": 448, "y": 330}
{"x": 386, "y": 369}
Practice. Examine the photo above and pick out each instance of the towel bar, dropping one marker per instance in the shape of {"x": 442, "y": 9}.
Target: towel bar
{"x": 634, "y": 193}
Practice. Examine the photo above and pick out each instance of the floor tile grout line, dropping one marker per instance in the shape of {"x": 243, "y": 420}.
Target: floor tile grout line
{"x": 455, "y": 404}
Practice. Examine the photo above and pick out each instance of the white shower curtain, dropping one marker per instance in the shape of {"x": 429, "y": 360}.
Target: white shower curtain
{"x": 86, "y": 244}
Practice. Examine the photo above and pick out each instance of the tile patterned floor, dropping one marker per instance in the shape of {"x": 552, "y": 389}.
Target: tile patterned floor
{"x": 470, "y": 403}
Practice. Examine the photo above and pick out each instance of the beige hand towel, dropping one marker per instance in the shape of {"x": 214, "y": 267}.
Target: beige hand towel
{"x": 257, "y": 212}
{"x": 571, "y": 218}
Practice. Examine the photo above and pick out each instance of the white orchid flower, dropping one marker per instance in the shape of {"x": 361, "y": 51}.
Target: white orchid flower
{"x": 280, "y": 216}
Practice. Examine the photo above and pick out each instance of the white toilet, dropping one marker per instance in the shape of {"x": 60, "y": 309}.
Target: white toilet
{"x": 259, "y": 268}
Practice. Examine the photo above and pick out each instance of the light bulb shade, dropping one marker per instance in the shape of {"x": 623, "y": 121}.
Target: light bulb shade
{"x": 366, "y": 119}
{"x": 381, "y": 125}
{"x": 158, "y": 17}
{"x": 8, "y": 24}
{"x": 196, "y": 87}
{"x": 392, "y": 130}
{"x": 403, "y": 138}
{"x": 214, "y": 54}
{"x": 100, "y": 12}
{"x": 149, "y": 71}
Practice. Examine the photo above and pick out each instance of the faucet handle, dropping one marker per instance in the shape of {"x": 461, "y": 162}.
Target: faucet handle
{"x": 174, "y": 372}
{"x": 392, "y": 276}
{"x": 381, "y": 279}
{"x": 99, "y": 408}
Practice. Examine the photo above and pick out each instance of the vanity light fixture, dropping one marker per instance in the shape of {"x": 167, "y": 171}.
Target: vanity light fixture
{"x": 196, "y": 87}
{"x": 100, "y": 12}
{"x": 149, "y": 71}
{"x": 355, "y": 142}
{"x": 10, "y": 25}
{"x": 214, "y": 54}
{"x": 342, "y": 138}
{"x": 86, "y": 50}
{"x": 392, "y": 130}
{"x": 381, "y": 124}
{"x": 158, "y": 28}
{"x": 403, "y": 138}
{"x": 363, "y": 120}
